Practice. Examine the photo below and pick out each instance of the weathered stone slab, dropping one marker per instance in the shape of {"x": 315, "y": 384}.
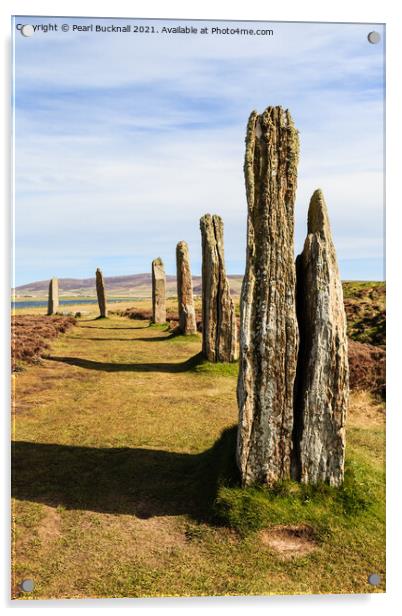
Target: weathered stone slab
{"x": 158, "y": 291}
{"x": 268, "y": 323}
{"x": 323, "y": 375}
{"x": 187, "y": 320}
{"x": 219, "y": 328}
{"x": 53, "y": 298}
{"x": 101, "y": 293}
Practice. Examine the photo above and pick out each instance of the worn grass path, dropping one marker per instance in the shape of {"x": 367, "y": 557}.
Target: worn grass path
{"x": 111, "y": 482}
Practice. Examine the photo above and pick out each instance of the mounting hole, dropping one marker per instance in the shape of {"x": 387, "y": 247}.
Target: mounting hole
{"x": 374, "y": 37}
{"x": 27, "y": 585}
{"x": 374, "y": 579}
{"x": 27, "y": 30}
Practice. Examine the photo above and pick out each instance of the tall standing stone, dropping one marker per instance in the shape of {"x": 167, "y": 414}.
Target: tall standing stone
{"x": 100, "y": 291}
{"x": 323, "y": 375}
{"x": 219, "y": 326}
{"x": 268, "y": 323}
{"x": 158, "y": 292}
{"x": 187, "y": 321}
{"x": 53, "y": 299}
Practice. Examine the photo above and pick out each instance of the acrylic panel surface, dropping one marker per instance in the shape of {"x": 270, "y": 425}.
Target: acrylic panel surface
{"x": 140, "y": 340}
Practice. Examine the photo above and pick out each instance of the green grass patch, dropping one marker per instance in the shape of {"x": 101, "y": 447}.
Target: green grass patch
{"x": 181, "y": 339}
{"x": 217, "y": 369}
{"x": 162, "y": 327}
{"x": 352, "y": 287}
{"x": 323, "y": 507}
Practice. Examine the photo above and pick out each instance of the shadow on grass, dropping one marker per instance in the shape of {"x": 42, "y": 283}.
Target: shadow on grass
{"x": 206, "y": 487}
{"x": 158, "y": 338}
{"x": 141, "y": 482}
{"x": 96, "y": 339}
{"x": 89, "y": 364}
{"x": 103, "y": 328}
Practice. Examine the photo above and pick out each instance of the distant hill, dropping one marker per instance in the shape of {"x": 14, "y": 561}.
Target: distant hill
{"x": 135, "y": 285}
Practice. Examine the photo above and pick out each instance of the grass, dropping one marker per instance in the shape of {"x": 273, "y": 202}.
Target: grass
{"x": 31, "y": 335}
{"x": 352, "y": 288}
{"x": 161, "y": 327}
{"x": 218, "y": 369}
{"x": 289, "y": 503}
{"x": 365, "y": 309}
{"x": 125, "y": 485}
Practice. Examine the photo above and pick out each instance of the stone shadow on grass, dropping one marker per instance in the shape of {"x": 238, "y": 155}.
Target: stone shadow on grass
{"x": 140, "y": 482}
{"x": 158, "y": 338}
{"x": 96, "y": 339}
{"x": 90, "y": 364}
{"x": 103, "y": 328}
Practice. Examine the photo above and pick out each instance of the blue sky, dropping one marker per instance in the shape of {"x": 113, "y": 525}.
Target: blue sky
{"x": 122, "y": 142}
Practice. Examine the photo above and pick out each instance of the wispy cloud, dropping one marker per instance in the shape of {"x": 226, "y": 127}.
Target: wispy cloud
{"x": 124, "y": 141}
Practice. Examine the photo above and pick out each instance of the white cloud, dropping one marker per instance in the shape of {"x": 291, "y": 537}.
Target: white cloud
{"x": 123, "y": 142}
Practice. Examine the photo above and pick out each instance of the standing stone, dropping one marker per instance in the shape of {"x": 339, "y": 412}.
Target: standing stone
{"x": 100, "y": 291}
{"x": 187, "y": 321}
{"x": 219, "y": 326}
{"x": 53, "y": 299}
{"x": 158, "y": 291}
{"x": 323, "y": 374}
{"x": 268, "y": 323}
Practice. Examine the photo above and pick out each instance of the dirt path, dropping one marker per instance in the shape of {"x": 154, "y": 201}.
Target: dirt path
{"x": 111, "y": 426}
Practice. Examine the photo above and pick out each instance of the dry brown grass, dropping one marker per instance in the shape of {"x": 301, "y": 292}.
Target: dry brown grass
{"x": 49, "y": 529}
{"x": 144, "y": 313}
{"x": 31, "y": 334}
{"x": 367, "y": 367}
{"x": 365, "y": 410}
